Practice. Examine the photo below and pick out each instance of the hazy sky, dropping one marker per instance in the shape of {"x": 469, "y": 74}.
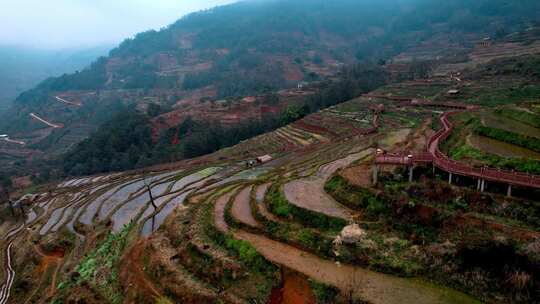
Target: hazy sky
{"x": 74, "y": 23}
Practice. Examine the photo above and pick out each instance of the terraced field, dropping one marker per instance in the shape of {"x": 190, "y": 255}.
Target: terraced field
{"x": 211, "y": 230}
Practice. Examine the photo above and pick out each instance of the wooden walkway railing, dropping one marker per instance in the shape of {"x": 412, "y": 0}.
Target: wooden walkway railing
{"x": 442, "y": 161}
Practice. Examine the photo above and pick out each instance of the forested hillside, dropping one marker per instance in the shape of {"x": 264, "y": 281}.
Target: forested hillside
{"x": 219, "y": 66}
{"x": 125, "y": 141}
{"x": 255, "y": 45}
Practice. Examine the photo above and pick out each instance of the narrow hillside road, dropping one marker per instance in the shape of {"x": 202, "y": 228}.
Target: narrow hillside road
{"x": 67, "y": 102}
{"x": 13, "y": 141}
{"x": 10, "y": 276}
{"x": 45, "y": 122}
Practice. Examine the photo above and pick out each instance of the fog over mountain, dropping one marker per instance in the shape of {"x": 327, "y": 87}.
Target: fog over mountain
{"x": 270, "y": 151}
{"x": 77, "y": 23}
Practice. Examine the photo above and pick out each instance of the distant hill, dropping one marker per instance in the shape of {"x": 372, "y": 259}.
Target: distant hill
{"x": 23, "y": 68}
{"x": 252, "y": 46}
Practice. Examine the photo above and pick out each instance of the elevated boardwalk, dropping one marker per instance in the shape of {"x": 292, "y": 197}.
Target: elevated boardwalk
{"x": 443, "y": 162}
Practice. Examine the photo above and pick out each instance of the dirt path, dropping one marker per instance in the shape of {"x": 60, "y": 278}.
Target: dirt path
{"x": 241, "y": 209}
{"x": 309, "y": 192}
{"x": 132, "y": 273}
{"x": 18, "y": 142}
{"x": 45, "y": 122}
{"x": 368, "y": 285}
{"x": 67, "y": 102}
{"x": 219, "y": 212}
{"x": 10, "y": 276}
{"x": 47, "y": 259}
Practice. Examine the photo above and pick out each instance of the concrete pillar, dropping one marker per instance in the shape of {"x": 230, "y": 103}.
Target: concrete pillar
{"x": 450, "y": 178}
{"x": 411, "y": 171}
{"x": 483, "y": 185}
{"x": 375, "y": 175}
{"x": 509, "y": 192}
{"x": 478, "y": 184}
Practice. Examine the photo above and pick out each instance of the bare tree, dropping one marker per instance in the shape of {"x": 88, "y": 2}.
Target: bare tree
{"x": 149, "y": 190}
{"x": 353, "y": 287}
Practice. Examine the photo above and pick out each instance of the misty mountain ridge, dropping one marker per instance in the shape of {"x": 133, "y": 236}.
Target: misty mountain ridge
{"x": 22, "y": 68}
{"x": 249, "y": 48}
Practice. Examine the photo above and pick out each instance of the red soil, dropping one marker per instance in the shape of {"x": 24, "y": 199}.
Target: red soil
{"x": 48, "y": 258}
{"x": 359, "y": 175}
{"x": 295, "y": 290}
{"x": 133, "y": 277}
{"x": 303, "y": 125}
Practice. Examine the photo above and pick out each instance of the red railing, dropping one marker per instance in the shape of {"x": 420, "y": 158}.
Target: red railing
{"x": 442, "y": 161}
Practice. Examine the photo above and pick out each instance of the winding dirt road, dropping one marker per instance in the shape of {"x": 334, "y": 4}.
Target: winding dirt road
{"x": 50, "y": 124}
{"x": 10, "y": 276}
{"x": 67, "y": 102}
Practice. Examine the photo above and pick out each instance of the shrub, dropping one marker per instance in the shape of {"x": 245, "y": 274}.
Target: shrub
{"x": 280, "y": 206}
{"x": 324, "y": 294}
{"x": 356, "y": 197}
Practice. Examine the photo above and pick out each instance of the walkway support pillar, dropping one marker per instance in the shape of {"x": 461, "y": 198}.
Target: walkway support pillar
{"x": 509, "y": 192}
{"x": 483, "y": 185}
{"x": 375, "y": 174}
{"x": 411, "y": 169}
{"x": 450, "y": 178}
{"x": 478, "y": 184}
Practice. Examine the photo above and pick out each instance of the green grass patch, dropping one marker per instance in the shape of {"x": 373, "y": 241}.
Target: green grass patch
{"x": 99, "y": 268}
{"x": 324, "y": 294}
{"x": 528, "y": 142}
{"x": 456, "y": 147}
{"x": 280, "y": 206}
{"x": 404, "y": 120}
{"x": 242, "y": 250}
{"x": 356, "y": 197}
{"x": 500, "y": 96}
{"x": 521, "y": 116}
{"x": 465, "y": 151}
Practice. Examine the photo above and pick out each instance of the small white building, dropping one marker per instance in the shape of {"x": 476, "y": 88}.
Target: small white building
{"x": 264, "y": 159}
